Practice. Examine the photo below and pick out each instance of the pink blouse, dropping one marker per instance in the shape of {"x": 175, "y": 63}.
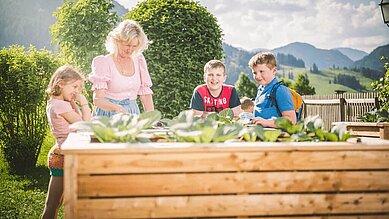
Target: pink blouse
{"x": 118, "y": 87}
{"x": 58, "y": 124}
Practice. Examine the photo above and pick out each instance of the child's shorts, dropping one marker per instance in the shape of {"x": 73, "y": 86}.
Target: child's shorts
{"x": 55, "y": 161}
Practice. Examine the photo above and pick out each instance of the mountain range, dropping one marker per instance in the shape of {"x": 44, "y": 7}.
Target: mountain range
{"x": 26, "y": 22}
{"x": 236, "y": 59}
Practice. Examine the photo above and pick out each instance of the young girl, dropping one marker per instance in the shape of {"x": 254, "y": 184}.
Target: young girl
{"x": 65, "y": 106}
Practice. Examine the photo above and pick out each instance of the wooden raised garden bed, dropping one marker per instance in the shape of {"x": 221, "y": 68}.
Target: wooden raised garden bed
{"x": 261, "y": 180}
{"x": 369, "y": 129}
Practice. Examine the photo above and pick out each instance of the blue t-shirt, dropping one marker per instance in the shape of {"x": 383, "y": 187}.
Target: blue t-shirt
{"x": 263, "y": 105}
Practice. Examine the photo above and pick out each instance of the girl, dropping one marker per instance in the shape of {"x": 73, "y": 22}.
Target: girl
{"x": 65, "y": 106}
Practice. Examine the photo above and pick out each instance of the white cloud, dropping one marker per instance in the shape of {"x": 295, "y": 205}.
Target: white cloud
{"x": 326, "y": 24}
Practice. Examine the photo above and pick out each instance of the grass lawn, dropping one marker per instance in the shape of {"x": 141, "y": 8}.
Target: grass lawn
{"x": 24, "y": 196}
{"x": 321, "y": 81}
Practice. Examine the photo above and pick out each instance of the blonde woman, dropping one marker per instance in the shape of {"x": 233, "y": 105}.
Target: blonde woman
{"x": 121, "y": 76}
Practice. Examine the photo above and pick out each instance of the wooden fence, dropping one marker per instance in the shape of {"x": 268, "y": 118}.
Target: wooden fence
{"x": 339, "y": 107}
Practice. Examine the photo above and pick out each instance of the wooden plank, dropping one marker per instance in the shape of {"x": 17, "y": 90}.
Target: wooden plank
{"x": 79, "y": 144}
{"x": 223, "y": 162}
{"x": 321, "y": 102}
{"x": 384, "y": 132}
{"x": 235, "y": 205}
{"x": 70, "y": 185}
{"x": 361, "y": 101}
{"x": 370, "y": 129}
{"x": 230, "y": 183}
{"x": 325, "y": 217}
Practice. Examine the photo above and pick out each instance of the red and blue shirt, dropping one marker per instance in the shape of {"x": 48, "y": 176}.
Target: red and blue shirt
{"x": 202, "y": 99}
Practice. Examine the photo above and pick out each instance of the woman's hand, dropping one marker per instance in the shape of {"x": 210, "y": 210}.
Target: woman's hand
{"x": 119, "y": 109}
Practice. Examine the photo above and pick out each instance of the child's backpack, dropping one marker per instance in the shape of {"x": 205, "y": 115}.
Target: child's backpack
{"x": 298, "y": 101}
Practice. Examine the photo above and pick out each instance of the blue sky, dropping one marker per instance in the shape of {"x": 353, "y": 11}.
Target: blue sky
{"x": 326, "y": 24}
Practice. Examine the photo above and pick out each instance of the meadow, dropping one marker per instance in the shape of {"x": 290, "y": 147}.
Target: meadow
{"x": 23, "y": 196}
{"x": 321, "y": 81}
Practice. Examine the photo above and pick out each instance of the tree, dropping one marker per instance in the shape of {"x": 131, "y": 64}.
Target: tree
{"x": 302, "y": 86}
{"x": 315, "y": 69}
{"x": 185, "y": 36}
{"x": 381, "y": 86}
{"x": 287, "y": 82}
{"x": 81, "y": 30}
{"x": 24, "y": 76}
{"x": 246, "y": 87}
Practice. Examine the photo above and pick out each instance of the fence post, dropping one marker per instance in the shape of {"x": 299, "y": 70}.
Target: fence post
{"x": 342, "y": 104}
{"x": 376, "y": 103}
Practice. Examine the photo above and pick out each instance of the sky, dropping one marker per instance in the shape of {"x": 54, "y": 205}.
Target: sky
{"x": 326, "y": 24}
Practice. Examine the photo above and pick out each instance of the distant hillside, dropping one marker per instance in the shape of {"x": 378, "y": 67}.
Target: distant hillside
{"x": 27, "y": 22}
{"x": 372, "y": 60}
{"x": 353, "y": 54}
{"x": 323, "y": 58}
{"x": 236, "y": 61}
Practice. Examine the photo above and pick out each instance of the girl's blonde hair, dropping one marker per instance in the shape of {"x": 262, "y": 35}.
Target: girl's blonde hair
{"x": 126, "y": 31}
{"x": 66, "y": 74}
{"x": 263, "y": 58}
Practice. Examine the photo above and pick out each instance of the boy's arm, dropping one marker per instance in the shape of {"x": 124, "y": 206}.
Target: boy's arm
{"x": 237, "y": 110}
{"x": 196, "y": 103}
{"x": 235, "y": 103}
{"x": 291, "y": 115}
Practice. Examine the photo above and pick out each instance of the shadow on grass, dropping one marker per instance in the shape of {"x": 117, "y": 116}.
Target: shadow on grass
{"x": 38, "y": 177}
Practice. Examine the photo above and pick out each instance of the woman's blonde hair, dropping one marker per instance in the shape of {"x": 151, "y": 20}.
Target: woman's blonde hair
{"x": 263, "y": 58}
{"x": 126, "y": 31}
{"x": 66, "y": 74}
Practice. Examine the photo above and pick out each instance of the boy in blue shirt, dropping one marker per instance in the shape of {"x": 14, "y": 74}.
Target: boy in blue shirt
{"x": 264, "y": 68}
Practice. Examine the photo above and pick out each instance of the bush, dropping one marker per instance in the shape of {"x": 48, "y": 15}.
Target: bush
{"x": 24, "y": 76}
{"x": 81, "y": 30}
{"x": 185, "y": 36}
{"x": 382, "y": 86}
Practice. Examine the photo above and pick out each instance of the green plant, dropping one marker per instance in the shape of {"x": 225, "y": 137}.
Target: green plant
{"x": 375, "y": 116}
{"x": 311, "y": 129}
{"x": 120, "y": 127}
{"x": 24, "y": 76}
{"x": 382, "y": 86}
{"x": 188, "y": 128}
{"x": 185, "y": 36}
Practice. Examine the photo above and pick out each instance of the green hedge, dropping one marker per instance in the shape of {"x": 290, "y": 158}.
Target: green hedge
{"x": 24, "y": 75}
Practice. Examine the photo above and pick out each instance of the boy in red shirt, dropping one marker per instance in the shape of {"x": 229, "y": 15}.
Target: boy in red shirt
{"x": 214, "y": 96}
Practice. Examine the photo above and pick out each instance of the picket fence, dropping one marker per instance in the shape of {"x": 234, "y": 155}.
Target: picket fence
{"x": 339, "y": 107}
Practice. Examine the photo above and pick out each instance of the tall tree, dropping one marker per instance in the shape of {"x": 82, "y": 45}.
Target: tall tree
{"x": 82, "y": 28}
{"x": 302, "y": 86}
{"x": 315, "y": 69}
{"x": 246, "y": 87}
{"x": 381, "y": 86}
{"x": 185, "y": 36}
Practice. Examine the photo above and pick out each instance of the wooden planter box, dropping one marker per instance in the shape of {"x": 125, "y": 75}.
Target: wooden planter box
{"x": 369, "y": 129}
{"x": 261, "y": 180}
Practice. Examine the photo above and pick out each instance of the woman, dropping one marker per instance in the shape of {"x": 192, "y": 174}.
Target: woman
{"x": 119, "y": 77}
